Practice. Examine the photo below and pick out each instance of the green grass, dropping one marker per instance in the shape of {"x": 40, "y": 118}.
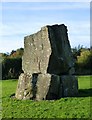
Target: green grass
{"x": 84, "y": 82}
{"x": 70, "y": 107}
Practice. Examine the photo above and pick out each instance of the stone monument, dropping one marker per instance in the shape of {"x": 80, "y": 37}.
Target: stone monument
{"x": 48, "y": 66}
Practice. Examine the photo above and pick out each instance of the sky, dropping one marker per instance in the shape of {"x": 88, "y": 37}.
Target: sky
{"x": 19, "y": 19}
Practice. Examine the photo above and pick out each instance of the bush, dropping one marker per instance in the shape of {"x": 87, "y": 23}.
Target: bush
{"x": 11, "y": 68}
{"x": 83, "y": 63}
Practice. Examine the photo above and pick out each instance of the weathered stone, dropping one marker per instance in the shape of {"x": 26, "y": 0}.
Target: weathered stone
{"x": 48, "y": 51}
{"x": 47, "y": 84}
{"x": 38, "y": 86}
{"x": 61, "y": 60}
{"x": 53, "y": 92}
{"x": 37, "y": 50}
{"x": 48, "y": 66}
{"x": 70, "y": 85}
{"x": 24, "y": 87}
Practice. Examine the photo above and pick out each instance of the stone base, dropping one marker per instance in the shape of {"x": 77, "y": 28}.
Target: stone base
{"x": 70, "y": 85}
{"x": 46, "y": 86}
{"x": 24, "y": 87}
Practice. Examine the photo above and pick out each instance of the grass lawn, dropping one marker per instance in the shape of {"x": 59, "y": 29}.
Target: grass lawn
{"x": 70, "y": 107}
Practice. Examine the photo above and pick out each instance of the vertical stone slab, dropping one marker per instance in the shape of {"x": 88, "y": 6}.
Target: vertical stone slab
{"x": 70, "y": 85}
{"x": 43, "y": 84}
{"x": 53, "y": 92}
{"x": 37, "y": 50}
{"x": 24, "y": 87}
{"x": 47, "y": 87}
{"x": 61, "y": 59}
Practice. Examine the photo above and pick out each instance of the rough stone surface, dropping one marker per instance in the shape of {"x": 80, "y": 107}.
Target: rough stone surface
{"x": 24, "y": 87}
{"x": 53, "y": 92}
{"x": 38, "y": 86}
{"x": 61, "y": 60}
{"x": 48, "y": 51}
{"x": 44, "y": 82}
{"x": 70, "y": 85}
{"x": 37, "y": 50}
{"x": 48, "y": 66}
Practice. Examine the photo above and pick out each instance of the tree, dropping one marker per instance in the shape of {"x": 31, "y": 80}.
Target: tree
{"x": 17, "y": 53}
{"x": 11, "y": 68}
{"x": 12, "y": 64}
{"x": 83, "y": 62}
{"x": 76, "y": 51}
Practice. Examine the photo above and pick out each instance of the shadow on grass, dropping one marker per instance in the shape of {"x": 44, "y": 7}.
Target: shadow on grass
{"x": 81, "y": 93}
{"x": 85, "y": 93}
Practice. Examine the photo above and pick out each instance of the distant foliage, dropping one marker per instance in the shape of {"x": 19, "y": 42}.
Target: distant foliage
{"x": 76, "y": 51}
{"x": 11, "y": 68}
{"x": 83, "y": 58}
{"x": 12, "y": 64}
{"x": 17, "y": 54}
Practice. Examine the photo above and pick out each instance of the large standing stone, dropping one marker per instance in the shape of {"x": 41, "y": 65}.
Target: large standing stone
{"x": 48, "y": 65}
{"x": 48, "y": 51}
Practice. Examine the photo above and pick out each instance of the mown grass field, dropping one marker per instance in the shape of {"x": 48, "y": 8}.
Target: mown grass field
{"x": 70, "y": 107}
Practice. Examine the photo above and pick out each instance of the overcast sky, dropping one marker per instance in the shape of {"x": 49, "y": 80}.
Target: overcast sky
{"x": 19, "y": 19}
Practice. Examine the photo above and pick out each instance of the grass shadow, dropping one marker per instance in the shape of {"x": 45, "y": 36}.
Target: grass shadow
{"x": 85, "y": 93}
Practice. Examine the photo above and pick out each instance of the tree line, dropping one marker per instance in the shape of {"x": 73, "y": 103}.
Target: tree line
{"x": 12, "y": 63}
{"x": 83, "y": 60}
